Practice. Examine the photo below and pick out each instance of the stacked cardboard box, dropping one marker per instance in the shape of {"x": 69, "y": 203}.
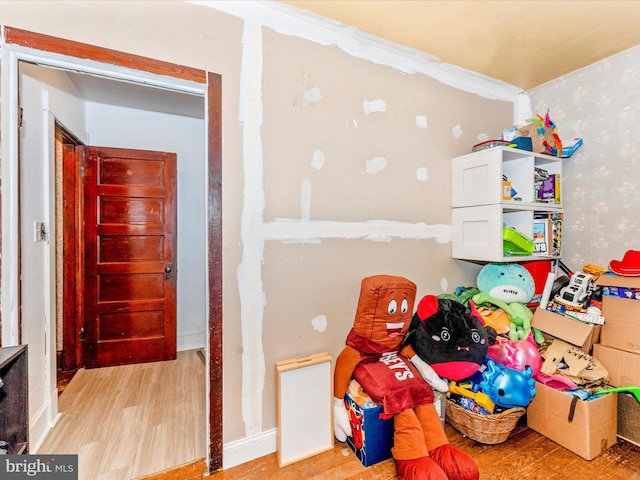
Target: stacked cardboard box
{"x": 587, "y": 428}
{"x": 619, "y": 347}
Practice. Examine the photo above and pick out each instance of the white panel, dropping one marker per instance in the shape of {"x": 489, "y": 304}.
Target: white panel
{"x": 305, "y": 407}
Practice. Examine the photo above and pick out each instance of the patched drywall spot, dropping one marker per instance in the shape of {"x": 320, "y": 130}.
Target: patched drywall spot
{"x": 355, "y": 122}
{"x": 421, "y": 121}
{"x": 444, "y": 284}
{"x": 376, "y": 165}
{"x": 457, "y": 131}
{"x": 318, "y": 159}
{"x": 313, "y": 95}
{"x": 482, "y": 137}
{"x": 371, "y": 106}
{"x": 305, "y": 200}
{"x": 421, "y": 174}
{"x": 319, "y": 323}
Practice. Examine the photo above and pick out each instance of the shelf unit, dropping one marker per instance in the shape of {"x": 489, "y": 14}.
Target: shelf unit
{"x": 479, "y": 209}
{"x": 14, "y": 401}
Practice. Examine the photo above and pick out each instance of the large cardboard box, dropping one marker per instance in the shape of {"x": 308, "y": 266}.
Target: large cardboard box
{"x": 588, "y": 431}
{"x": 582, "y": 335}
{"x": 621, "y": 315}
{"x": 624, "y": 370}
{"x": 623, "y": 366}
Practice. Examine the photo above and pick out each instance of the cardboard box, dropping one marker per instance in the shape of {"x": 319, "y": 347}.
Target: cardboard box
{"x": 537, "y": 139}
{"x": 590, "y": 431}
{"x": 582, "y": 335}
{"x": 624, "y": 370}
{"x": 372, "y": 437}
{"x": 629, "y": 418}
{"x": 621, "y": 315}
{"x": 623, "y": 366}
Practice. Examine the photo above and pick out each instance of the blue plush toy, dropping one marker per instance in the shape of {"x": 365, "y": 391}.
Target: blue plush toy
{"x": 506, "y": 387}
{"x": 507, "y": 282}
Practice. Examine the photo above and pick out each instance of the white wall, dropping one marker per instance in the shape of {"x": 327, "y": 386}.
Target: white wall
{"x": 111, "y": 126}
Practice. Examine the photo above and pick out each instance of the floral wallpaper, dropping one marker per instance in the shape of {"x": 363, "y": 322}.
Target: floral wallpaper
{"x": 601, "y": 187}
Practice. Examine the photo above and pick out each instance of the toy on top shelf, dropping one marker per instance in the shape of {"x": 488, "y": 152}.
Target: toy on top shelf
{"x": 548, "y": 133}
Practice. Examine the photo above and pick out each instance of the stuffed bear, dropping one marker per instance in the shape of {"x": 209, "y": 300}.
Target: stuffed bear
{"x": 372, "y": 356}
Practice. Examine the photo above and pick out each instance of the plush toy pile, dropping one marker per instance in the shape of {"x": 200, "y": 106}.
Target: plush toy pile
{"x": 483, "y": 358}
{"x": 481, "y": 340}
{"x": 397, "y": 380}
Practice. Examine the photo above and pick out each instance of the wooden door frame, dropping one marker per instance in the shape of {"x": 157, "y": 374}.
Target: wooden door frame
{"x": 72, "y": 248}
{"x": 213, "y": 83}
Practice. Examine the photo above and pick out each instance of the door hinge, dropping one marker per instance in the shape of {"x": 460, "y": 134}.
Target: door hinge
{"x": 19, "y": 116}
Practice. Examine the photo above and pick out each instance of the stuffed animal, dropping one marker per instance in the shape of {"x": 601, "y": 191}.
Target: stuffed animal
{"x": 506, "y": 387}
{"x": 507, "y": 282}
{"x": 517, "y": 354}
{"x": 372, "y": 356}
{"x": 510, "y": 287}
{"x": 449, "y": 337}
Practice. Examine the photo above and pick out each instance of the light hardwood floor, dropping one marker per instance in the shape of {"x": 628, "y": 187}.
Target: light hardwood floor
{"x": 119, "y": 421}
{"x": 129, "y": 421}
{"x": 525, "y": 455}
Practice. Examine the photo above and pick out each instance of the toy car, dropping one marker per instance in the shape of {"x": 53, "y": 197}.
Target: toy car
{"x": 577, "y": 294}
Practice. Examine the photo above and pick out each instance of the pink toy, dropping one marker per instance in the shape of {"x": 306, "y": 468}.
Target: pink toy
{"x": 517, "y": 354}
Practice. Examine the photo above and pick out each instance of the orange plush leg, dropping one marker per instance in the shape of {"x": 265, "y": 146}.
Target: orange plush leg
{"x": 409, "y": 451}
{"x": 457, "y": 465}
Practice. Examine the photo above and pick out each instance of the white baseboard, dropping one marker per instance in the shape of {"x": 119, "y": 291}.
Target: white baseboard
{"x": 41, "y": 422}
{"x": 248, "y": 448}
{"x": 190, "y": 341}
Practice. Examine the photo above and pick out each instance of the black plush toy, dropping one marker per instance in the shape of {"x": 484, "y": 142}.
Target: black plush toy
{"x": 450, "y": 337}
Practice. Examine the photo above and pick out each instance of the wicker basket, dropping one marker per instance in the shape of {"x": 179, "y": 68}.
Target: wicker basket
{"x": 489, "y": 429}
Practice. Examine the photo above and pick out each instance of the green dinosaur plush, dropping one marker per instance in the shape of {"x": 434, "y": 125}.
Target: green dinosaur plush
{"x": 519, "y": 316}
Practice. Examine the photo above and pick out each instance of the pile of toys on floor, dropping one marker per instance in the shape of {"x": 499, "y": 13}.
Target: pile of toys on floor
{"x": 521, "y": 354}
{"x": 477, "y": 345}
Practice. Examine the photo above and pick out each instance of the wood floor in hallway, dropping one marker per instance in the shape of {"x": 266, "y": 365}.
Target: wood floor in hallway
{"x": 130, "y": 421}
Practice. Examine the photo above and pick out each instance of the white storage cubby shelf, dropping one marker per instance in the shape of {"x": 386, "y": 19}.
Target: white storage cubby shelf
{"x": 479, "y": 210}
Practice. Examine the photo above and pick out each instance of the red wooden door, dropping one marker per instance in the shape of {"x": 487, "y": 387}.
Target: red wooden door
{"x": 130, "y": 256}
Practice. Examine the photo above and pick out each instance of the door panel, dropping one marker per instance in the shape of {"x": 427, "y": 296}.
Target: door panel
{"x": 130, "y": 256}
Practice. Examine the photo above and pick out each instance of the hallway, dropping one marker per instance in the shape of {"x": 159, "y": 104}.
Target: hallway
{"x": 130, "y": 421}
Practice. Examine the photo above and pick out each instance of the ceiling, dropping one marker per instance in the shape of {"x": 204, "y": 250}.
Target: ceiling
{"x": 523, "y": 43}
{"x": 137, "y": 96}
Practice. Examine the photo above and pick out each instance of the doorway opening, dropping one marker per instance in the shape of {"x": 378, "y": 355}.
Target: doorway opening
{"x": 45, "y": 51}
